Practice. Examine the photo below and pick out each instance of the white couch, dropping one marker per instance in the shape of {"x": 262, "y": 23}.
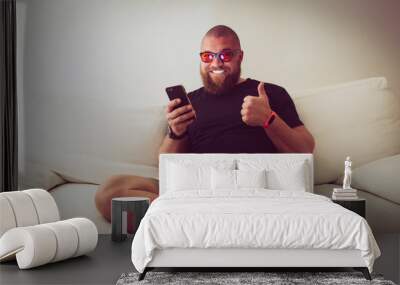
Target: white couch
{"x": 360, "y": 119}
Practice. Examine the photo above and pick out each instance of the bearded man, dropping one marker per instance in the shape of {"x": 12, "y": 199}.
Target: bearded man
{"x": 229, "y": 114}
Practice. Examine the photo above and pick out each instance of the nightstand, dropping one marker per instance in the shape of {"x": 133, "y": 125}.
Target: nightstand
{"x": 357, "y": 205}
{"x": 120, "y": 207}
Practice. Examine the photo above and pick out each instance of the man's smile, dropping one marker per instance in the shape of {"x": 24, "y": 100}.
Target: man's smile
{"x": 218, "y": 71}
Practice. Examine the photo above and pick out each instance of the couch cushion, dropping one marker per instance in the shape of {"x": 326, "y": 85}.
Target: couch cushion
{"x": 124, "y": 141}
{"x": 360, "y": 119}
{"x": 86, "y": 169}
{"x": 380, "y": 177}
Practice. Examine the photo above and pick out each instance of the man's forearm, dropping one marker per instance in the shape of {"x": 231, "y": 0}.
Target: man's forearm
{"x": 290, "y": 140}
{"x": 174, "y": 146}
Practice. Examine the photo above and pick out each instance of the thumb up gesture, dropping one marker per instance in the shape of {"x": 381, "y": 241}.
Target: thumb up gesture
{"x": 256, "y": 109}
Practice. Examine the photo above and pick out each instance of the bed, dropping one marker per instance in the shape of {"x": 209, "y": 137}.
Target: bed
{"x": 247, "y": 210}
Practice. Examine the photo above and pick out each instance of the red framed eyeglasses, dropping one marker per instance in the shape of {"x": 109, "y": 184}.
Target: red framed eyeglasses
{"x": 225, "y": 55}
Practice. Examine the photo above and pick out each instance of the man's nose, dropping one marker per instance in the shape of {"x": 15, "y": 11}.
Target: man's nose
{"x": 216, "y": 62}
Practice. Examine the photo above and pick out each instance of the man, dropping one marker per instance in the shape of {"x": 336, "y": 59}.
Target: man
{"x": 229, "y": 114}
{"x": 233, "y": 114}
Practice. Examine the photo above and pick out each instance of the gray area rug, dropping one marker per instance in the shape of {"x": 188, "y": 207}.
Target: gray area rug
{"x": 232, "y": 278}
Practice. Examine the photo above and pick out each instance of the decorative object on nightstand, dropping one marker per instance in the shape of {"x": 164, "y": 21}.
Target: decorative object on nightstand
{"x": 356, "y": 205}
{"x": 119, "y": 215}
{"x": 347, "y": 174}
{"x": 345, "y": 193}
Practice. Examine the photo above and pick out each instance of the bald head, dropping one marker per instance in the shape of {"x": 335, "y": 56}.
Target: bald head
{"x": 222, "y": 31}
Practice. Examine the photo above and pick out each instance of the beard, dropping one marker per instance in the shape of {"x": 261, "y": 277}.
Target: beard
{"x": 214, "y": 87}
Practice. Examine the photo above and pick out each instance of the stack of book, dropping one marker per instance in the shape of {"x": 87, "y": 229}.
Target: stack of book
{"x": 344, "y": 194}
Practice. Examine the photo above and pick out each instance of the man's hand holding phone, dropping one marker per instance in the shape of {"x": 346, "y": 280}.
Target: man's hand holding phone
{"x": 180, "y": 112}
{"x": 179, "y": 118}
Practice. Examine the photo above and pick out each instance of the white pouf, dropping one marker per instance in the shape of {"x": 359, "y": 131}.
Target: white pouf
{"x": 31, "y": 232}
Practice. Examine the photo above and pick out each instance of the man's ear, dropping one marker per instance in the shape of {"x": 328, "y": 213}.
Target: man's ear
{"x": 241, "y": 55}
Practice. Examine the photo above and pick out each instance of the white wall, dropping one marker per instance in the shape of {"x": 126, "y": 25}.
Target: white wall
{"x": 89, "y": 65}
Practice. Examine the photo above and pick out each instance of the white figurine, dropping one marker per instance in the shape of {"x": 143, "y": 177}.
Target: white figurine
{"x": 347, "y": 174}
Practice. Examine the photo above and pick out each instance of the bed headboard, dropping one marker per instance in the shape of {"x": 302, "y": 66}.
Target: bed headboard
{"x": 165, "y": 158}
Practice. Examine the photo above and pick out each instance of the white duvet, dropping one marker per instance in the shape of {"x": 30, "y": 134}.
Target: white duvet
{"x": 252, "y": 218}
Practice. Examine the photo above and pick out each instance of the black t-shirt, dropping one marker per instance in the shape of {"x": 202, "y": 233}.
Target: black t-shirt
{"x": 219, "y": 128}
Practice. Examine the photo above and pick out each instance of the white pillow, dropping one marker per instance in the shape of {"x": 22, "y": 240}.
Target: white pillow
{"x": 251, "y": 178}
{"x": 191, "y": 174}
{"x": 342, "y": 118}
{"x": 236, "y": 179}
{"x": 223, "y": 179}
{"x": 287, "y": 179}
{"x": 280, "y": 174}
{"x": 181, "y": 178}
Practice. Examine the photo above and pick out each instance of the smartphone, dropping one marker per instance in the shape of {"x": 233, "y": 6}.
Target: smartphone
{"x": 178, "y": 91}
